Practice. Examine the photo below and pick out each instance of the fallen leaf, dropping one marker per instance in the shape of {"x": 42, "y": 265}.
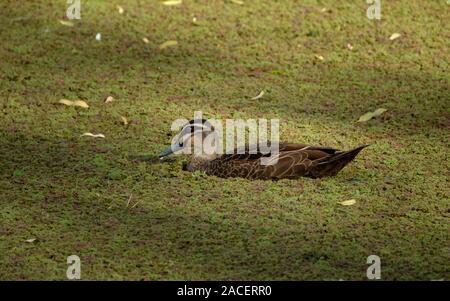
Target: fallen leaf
{"x": 30, "y": 240}
{"x": 129, "y": 200}
{"x": 379, "y": 111}
{"x": 261, "y": 94}
{"x": 124, "y": 120}
{"x": 66, "y": 23}
{"x": 319, "y": 57}
{"x": 348, "y": 202}
{"x": 145, "y": 40}
{"x": 93, "y": 135}
{"x": 109, "y": 99}
{"x": 237, "y": 2}
{"x": 98, "y": 36}
{"x": 172, "y": 2}
{"x": 324, "y": 10}
{"x": 168, "y": 44}
{"x": 349, "y": 46}
{"x": 80, "y": 103}
{"x": 66, "y": 102}
{"x": 76, "y": 103}
{"x": 394, "y": 36}
{"x": 370, "y": 115}
{"x": 120, "y": 9}
{"x": 135, "y": 204}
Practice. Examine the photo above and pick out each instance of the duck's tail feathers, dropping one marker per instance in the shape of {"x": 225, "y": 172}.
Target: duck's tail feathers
{"x": 331, "y": 165}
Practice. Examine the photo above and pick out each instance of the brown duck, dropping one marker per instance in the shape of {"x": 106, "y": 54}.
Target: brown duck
{"x": 292, "y": 160}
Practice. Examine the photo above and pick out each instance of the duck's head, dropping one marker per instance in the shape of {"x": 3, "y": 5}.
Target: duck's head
{"x": 186, "y": 140}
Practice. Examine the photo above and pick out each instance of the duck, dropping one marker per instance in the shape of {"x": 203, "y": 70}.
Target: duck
{"x": 289, "y": 161}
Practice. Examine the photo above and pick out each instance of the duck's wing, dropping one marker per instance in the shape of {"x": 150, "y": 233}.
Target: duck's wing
{"x": 313, "y": 163}
{"x": 257, "y": 151}
{"x": 331, "y": 165}
{"x": 291, "y": 160}
{"x": 284, "y": 147}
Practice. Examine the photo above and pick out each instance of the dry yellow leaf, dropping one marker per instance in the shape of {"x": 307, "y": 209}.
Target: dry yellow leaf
{"x": 261, "y": 94}
{"x": 80, "y": 103}
{"x": 66, "y": 102}
{"x": 145, "y": 40}
{"x": 120, "y": 9}
{"x": 348, "y": 202}
{"x": 350, "y": 46}
{"x": 237, "y": 2}
{"x": 129, "y": 200}
{"x": 394, "y": 36}
{"x": 319, "y": 57}
{"x": 109, "y": 99}
{"x": 379, "y": 111}
{"x": 168, "y": 44}
{"x": 66, "y": 23}
{"x": 370, "y": 115}
{"x": 93, "y": 135}
{"x": 30, "y": 240}
{"x": 124, "y": 120}
{"x": 172, "y": 2}
{"x": 76, "y": 103}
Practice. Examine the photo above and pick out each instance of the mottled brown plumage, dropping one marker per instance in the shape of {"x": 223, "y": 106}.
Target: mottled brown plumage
{"x": 294, "y": 160}
{"x": 288, "y": 160}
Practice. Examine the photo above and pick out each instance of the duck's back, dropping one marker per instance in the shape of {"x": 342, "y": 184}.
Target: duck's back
{"x": 291, "y": 161}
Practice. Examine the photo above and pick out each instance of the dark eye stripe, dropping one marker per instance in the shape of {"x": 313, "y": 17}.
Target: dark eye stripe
{"x": 196, "y": 121}
{"x": 189, "y": 128}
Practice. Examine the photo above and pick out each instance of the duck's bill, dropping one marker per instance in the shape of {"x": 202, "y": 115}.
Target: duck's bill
{"x": 174, "y": 148}
{"x": 168, "y": 151}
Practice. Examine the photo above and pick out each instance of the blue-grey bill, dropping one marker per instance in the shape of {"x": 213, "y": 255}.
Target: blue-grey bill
{"x": 168, "y": 151}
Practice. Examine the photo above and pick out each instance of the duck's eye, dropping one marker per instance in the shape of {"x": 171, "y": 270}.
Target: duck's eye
{"x": 180, "y": 144}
